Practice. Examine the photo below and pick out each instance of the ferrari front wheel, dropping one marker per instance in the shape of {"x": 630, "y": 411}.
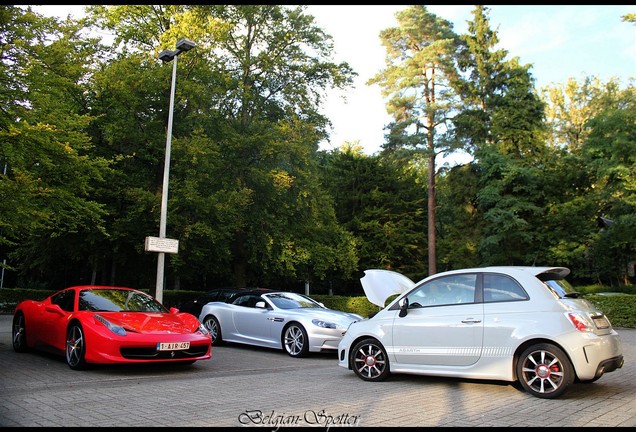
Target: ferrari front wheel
{"x": 18, "y": 333}
{"x": 75, "y": 347}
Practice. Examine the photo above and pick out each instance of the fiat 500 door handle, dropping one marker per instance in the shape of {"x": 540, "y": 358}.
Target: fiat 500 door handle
{"x": 471, "y": 321}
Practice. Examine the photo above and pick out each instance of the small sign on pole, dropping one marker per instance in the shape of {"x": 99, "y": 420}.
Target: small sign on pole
{"x": 158, "y": 244}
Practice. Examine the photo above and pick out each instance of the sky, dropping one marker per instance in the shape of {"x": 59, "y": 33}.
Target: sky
{"x": 559, "y": 42}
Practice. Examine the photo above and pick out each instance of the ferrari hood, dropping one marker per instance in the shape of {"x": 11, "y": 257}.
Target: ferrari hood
{"x": 153, "y": 322}
{"x": 379, "y": 285}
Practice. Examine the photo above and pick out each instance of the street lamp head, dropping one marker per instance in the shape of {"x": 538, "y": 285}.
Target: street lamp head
{"x": 167, "y": 55}
{"x": 185, "y": 45}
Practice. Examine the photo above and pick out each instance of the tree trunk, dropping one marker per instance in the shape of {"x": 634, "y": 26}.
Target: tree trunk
{"x": 432, "y": 238}
{"x": 239, "y": 261}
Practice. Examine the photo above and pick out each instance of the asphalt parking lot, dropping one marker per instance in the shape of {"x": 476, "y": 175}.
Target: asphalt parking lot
{"x": 245, "y": 386}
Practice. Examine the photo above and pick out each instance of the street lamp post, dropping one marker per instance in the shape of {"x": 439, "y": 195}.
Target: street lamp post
{"x": 165, "y": 56}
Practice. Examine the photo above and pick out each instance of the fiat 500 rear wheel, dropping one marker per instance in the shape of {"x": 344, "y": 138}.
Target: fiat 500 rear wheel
{"x": 370, "y": 361}
{"x": 545, "y": 371}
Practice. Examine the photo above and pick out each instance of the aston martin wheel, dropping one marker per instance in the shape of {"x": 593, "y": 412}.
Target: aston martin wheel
{"x": 18, "y": 333}
{"x": 545, "y": 371}
{"x": 75, "y": 347}
{"x": 212, "y": 324}
{"x": 295, "y": 340}
{"x": 370, "y": 361}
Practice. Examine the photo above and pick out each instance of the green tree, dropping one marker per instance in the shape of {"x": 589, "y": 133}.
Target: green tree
{"x": 481, "y": 85}
{"x": 501, "y": 125}
{"x": 243, "y": 168}
{"x": 420, "y": 64}
{"x": 610, "y": 151}
{"x": 460, "y": 223}
{"x": 49, "y": 217}
{"x": 380, "y": 200}
{"x": 581, "y": 188}
{"x": 571, "y": 105}
{"x": 130, "y": 101}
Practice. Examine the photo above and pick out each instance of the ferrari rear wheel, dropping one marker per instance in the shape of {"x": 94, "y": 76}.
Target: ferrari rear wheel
{"x": 18, "y": 333}
{"x": 370, "y": 360}
{"x": 212, "y": 324}
{"x": 295, "y": 340}
{"x": 75, "y": 347}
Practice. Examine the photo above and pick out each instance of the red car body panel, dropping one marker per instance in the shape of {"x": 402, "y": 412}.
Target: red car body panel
{"x": 46, "y": 327}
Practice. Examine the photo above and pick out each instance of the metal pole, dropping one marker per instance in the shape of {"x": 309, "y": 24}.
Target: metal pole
{"x": 164, "y": 192}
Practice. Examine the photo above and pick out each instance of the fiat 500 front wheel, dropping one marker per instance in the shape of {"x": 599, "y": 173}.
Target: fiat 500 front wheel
{"x": 369, "y": 360}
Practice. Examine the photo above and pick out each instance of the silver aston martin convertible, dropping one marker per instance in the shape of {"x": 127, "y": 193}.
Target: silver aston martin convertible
{"x": 276, "y": 319}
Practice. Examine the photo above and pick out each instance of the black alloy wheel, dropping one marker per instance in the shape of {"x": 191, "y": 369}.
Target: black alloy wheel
{"x": 370, "y": 361}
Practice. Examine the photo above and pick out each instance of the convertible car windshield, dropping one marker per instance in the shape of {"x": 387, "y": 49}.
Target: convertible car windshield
{"x": 292, "y": 301}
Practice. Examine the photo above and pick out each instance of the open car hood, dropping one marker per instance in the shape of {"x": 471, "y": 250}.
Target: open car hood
{"x": 379, "y": 285}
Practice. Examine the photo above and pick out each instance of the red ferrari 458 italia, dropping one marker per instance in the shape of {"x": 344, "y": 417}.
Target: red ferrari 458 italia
{"x": 105, "y": 324}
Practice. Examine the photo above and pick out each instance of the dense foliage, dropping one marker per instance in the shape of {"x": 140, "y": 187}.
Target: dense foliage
{"x": 620, "y": 308}
{"x": 252, "y": 200}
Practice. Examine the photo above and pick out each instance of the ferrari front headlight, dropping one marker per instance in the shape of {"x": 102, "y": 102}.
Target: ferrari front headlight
{"x": 118, "y": 330}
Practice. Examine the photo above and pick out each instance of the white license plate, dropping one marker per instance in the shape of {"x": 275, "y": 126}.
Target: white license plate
{"x": 173, "y": 346}
{"x": 601, "y": 322}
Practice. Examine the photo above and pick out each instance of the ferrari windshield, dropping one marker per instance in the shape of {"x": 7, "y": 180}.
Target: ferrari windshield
{"x": 118, "y": 300}
{"x": 292, "y": 301}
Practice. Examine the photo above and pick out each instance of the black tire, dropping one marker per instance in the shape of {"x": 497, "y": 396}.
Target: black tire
{"x": 370, "y": 360}
{"x": 295, "y": 340}
{"x": 18, "y": 333}
{"x": 212, "y": 324}
{"x": 75, "y": 347}
{"x": 545, "y": 371}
